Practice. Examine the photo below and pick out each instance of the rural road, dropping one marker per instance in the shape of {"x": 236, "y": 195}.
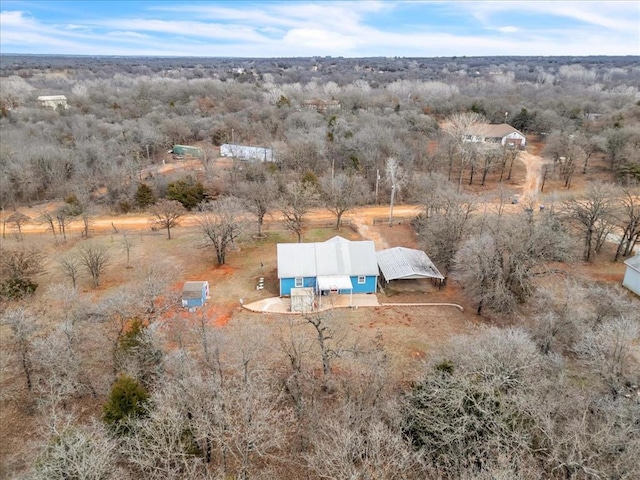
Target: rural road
{"x": 105, "y": 223}
{"x": 363, "y": 217}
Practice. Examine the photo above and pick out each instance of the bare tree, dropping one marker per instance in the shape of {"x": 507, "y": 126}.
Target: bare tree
{"x": 49, "y": 220}
{"x": 167, "y": 214}
{"x": 23, "y": 326}
{"x": 342, "y": 193}
{"x": 497, "y": 267}
{"x": 395, "y": 178}
{"x": 62, "y": 365}
{"x": 260, "y": 196}
{"x": 75, "y": 451}
{"x": 71, "y": 267}
{"x": 85, "y": 208}
{"x": 95, "y": 258}
{"x": 627, "y": 217}
{"x": 221, "y": 222}
{"x": 490, "y": 157}
{"x": 345, "y": 447}
{"x": 18, "y": 268}
{"x": 446, "y": 223}
{"x": 590, "y": 211}
{"x": 297, "y": 200}
{"x": 153, "y": 287}
{"x": 465, "y": 130}
{"x": 18, "y": 220}
{"x": 127, "y": 245}
{"x": 64, "y": 220}
{"x": 609, "y": 349}
{"x": 474, "y": 406}
{"x": 160, "y": 446}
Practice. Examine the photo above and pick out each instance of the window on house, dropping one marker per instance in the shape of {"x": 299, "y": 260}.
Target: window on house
{"x": 362, "y": 279}
{"x": 298, "y": 282}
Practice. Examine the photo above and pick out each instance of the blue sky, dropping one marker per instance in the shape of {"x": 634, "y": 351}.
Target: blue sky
{"x": 411, "y": 28}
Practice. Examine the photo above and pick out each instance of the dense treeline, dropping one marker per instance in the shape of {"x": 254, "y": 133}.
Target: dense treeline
{"x": 122, "y": 120}
{"x": 553, "y": 399}
{"x": 121, "y": 393}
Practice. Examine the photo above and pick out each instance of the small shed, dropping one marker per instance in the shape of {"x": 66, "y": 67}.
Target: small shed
{"x": 632, "y": 275}
{"x": 195, "y": 294}
{"x": 302, "y": 300}
{"x": 402, "y": 263}
{"x": 186, "y": 150}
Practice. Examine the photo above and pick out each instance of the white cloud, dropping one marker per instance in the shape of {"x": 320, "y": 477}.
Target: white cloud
{"x": 317, "y": 39}
{"x": 508, "y": 29}
{"x": 270, "y": 29}
{"x": 616, "y": 16}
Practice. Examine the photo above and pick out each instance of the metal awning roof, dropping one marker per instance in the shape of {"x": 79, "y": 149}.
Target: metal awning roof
{"x": 334, "y": 282}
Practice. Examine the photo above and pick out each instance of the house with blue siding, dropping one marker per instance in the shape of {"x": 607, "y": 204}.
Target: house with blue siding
{"x": 337, "y": 266}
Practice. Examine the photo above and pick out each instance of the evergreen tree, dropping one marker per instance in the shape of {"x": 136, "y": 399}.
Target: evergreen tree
{"x": 145, "y": 196}
{"x": 127, "y": 401}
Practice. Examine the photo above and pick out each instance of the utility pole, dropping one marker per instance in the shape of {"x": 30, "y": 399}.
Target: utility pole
{"x": 393, "y": 194}
{"x": 391, "y": 166}
{"x": 377, "y": 184}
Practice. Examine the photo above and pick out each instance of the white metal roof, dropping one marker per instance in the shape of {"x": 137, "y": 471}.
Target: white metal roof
{"x": 633, "y": 262}
{"x": 334, "y": 282}
{"x": 246, "y": 152}
{"x": 337, "y": 256}
{"x": 406, "y": 263}
{"x": 45, "y": 98}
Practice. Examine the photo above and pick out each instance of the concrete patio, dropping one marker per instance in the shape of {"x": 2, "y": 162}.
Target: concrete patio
{"x": 283, "y": 305}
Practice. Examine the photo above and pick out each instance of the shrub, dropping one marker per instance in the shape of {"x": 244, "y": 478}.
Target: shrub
{"x": 145, "y": 196}
{"x": 187, "y": 191}
{"x": 127, "y": 401}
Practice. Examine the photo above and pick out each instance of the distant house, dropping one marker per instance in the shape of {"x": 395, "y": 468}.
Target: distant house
{"x": 244, "y": 152}
{"x": 322, "y": 105}
{"x": 53, "y": 101}
{"x": 402, "y": 263}
{"x": 195, "y": 294}
{"x": 337, "y": 266}
{"x": 632, "y": 274}
{"x": 503, "y": 133}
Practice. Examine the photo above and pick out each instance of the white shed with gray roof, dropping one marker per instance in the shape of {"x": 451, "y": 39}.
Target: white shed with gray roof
{"x": 406, "y": 263}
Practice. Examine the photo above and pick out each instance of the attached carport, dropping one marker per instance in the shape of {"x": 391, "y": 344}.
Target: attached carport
{"x": 334, "y": 283}
{"x": 400, "y": 263}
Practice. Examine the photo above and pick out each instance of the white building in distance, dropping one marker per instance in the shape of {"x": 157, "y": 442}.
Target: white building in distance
{"x": 244, "y": 152}
{"x": 53, "y": 101}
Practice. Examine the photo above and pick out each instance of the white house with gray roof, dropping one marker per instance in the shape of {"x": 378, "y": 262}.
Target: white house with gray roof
{"x": 502, "y": 133}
